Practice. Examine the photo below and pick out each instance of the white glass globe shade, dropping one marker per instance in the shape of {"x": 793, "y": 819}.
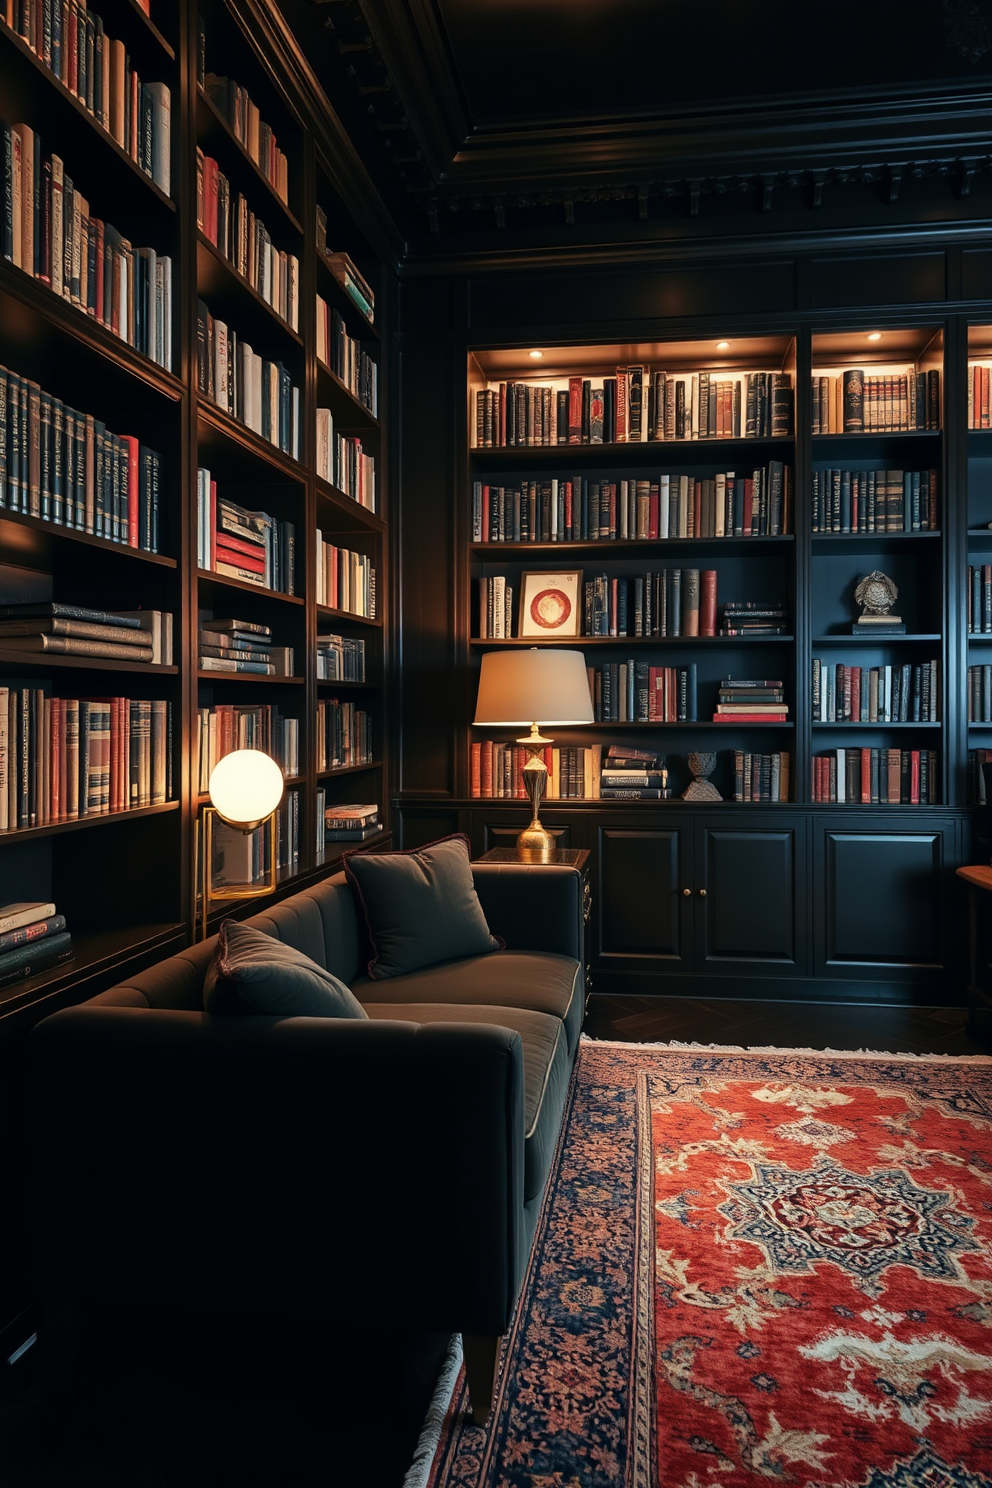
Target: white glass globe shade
{"x": 246, "y": 786}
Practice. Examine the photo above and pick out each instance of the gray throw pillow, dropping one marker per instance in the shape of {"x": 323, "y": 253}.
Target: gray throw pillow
{"x": 420, "y": 906}
{"x": 252, "y": 973}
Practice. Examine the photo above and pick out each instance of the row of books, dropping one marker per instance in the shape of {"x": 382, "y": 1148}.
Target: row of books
{"x": 343, "y": 462}
{"x": 229, "y": 726}
{"x": 69, "y": 38}
{"x": 909, "y": 693}
{"x": 242, "y": 646}
{"x": 352, "y": 281}
{"x": 751, "y": 700}
{"x": 761, "y": 777}
{"x": 856, "y": 402}
{"x": 243, "y": 857}
{"x": 227, "y": 221}
{"x": 33, "y": 938}
{"x": 59, "y": 629}
{"x": 980, "y": 693}
{"x": 252, "y": 546}
{"x": 66, "y": 467}
{"x": 661, "y": 602}
{"x": 258, "y": 393}
{"x": 47, "y": 231}
{"x": 496, "y": 770}
{"x": 351, "y": 823}
{"x": 979, "y": 401}
{"x": 979, "y": 598}
{"x": 876, "y": 777}
{"x": 346, "y": 357}
{"x": 635, "y": 406}
{"x": 344, "y": 735}
{"x": 340, "y": 658}
{"x": 874, "y": 501}
{"x": 66, "y": 758}
{"x": 587, "y": 509}
{"x": 233, "y": 103}
{"x": 635, "y": 692}
{"x": 345, "y": 579}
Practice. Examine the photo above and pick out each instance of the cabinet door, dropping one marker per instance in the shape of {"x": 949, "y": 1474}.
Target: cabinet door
{"x": 750, "y": 915}
{"x": 641, "y": 916}
{"x": 880, "y": 895}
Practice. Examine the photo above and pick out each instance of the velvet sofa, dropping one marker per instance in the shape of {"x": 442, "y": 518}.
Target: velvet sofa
{"x": 386, "y": 1171}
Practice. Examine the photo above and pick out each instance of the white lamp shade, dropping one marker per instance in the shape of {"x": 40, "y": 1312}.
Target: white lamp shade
{"x": 245, "y": 786}
{"x": 533, "y": 686}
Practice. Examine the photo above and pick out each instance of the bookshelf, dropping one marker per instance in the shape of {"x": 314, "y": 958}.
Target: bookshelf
{"x": 237, "y": 219}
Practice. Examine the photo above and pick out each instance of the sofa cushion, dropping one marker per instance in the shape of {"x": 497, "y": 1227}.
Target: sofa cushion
{"x": 252, "y": 973}
{"x": 547, "y": 1066}
{"x": 537, "y": 980}
{"x": 420, "y": 906}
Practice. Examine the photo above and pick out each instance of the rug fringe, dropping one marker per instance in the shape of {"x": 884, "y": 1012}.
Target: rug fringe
{"x": 419, "y": 1471}
{"x": 680, "y": 1047}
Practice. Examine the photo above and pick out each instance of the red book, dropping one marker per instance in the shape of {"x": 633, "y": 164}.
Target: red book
{"x": 707, "y": 602}
{"x": 914, "y": 777}
{"x": 750, "y": 717}
{"x": 575, "y": 410}
{"x": 240, "y": 545}
{"x": 856, "y": 694}
{"x": 131, "y": 445}
{"x": 227, "y": 554}
{"x": 893, "y": 763}
{"x": 621, "y": 428}
{"x": 866, "y": 777}
{"x": 57, "y": 771}
{"x": 486, "y": 768}
{"x": 475, "y": 773}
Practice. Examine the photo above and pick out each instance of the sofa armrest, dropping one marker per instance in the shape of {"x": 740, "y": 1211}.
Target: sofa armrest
{"x": 369, "y": 1169}
{"x": 533, "y": 907}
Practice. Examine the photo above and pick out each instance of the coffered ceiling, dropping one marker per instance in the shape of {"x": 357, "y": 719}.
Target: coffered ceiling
{"x": 492, "y": 112}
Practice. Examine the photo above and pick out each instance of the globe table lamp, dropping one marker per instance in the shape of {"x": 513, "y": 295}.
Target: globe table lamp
{"x": 531, "y": 688}
{"x": 245, "y": 789}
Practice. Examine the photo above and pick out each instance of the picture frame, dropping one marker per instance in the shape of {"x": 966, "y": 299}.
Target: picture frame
{"x": 550, "y": 603}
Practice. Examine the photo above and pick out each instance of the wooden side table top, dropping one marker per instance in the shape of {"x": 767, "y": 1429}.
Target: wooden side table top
{"x": 569, "y": 857}
{"x": 980, "y": 876}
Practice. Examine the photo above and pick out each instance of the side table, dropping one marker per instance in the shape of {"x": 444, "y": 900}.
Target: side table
{"x": 978, "y": 879}
{"x": 570, "y": 857}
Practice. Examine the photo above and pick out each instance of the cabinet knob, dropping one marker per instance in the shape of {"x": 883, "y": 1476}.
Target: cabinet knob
{"x": 687, "y": 893}
{"x": 702, "y": 893}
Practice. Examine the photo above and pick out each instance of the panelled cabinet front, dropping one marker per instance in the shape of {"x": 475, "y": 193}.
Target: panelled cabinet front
{"x": 698, "y": 892}
{"x": 880, "y": 888}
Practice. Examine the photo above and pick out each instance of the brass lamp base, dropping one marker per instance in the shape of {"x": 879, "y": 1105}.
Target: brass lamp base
{"x": 535, "y": 844}
{"x": 210, "y": 892}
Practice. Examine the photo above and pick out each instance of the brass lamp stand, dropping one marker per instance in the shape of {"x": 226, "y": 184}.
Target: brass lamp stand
{"x": 535, "y": 844}
{"x": 249, "y": 784}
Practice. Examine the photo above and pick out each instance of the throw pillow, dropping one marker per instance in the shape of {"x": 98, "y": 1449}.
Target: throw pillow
{"x": 253, "y": 973}
{"x": 420, "y": 906}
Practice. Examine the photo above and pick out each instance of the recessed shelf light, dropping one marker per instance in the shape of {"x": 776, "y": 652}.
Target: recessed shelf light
{"x": 723, "y": 346}
{"x": 874, "y": 336}
{"x": 537, "y": 355}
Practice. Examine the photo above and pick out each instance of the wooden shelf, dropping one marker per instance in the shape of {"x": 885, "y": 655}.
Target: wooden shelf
{"x": 229, "y": 427}
{"x": 330, "y": 288}
{"x": 346, "y": 506}
{"x": 211, "y": 124}
{"x": 213, "y": 268}
{"x": 26, "y": 539}
{"x": 208, "y": 676}
{"x": 879, "y": 640}
{"x": 152, "y": 29}
{"x": 649, "y": 547}
{"x": 243, "y": 586}
{"x": 96, "y": 952}
{"x": 52, "y": 829}
{"x": 40, "y": 661}
{"x": 348, "y": 770}
{"x": 363, "y": 418}
{"x": 581, "y": 642}
{"x": 646, "y": 452}
{"x": 369, "y": 686}
{"x": 72, "y": 102}
{"x": 324, "y": 612}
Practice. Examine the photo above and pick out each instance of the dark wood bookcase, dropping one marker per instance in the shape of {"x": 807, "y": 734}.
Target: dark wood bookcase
{"x": 126, "y": 881}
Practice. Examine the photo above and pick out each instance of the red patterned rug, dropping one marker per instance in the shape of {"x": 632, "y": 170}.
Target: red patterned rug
{"x": 752, "y": 1267}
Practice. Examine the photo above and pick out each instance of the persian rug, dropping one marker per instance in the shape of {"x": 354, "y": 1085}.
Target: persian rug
{"x": 764, "y": 1266}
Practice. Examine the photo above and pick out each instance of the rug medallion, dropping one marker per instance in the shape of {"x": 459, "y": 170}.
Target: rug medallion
{"x": 752, "y": 1267}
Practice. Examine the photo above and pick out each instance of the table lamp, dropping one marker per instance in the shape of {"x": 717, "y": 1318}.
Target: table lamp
{"x": 533, "y": 687}
{"x": 245, "y": 789}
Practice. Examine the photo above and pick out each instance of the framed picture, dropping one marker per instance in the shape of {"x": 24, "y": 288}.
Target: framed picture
{"x": 551, "y": 604}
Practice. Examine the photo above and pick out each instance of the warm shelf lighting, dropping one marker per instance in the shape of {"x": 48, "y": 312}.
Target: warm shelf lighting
{"x": 723, "y": 346}
{"x": 874, "y": 335}
{"x": 537, "y": 355}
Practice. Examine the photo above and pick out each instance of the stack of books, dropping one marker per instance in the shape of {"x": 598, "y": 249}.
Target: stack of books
{"x": 242, "y": 646}
{"x": 633, "y": 775}
{"x": 340, "y": 658}
{"x": 33, "y": 938}
{"x": 354, "y": 283}
{"x": 751, "y": 701}
{"x": 70, "y": 630}
{"x": 351, "y": 823}
{"x": 240, "y": 544}
{"x": 750, "y": 617}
